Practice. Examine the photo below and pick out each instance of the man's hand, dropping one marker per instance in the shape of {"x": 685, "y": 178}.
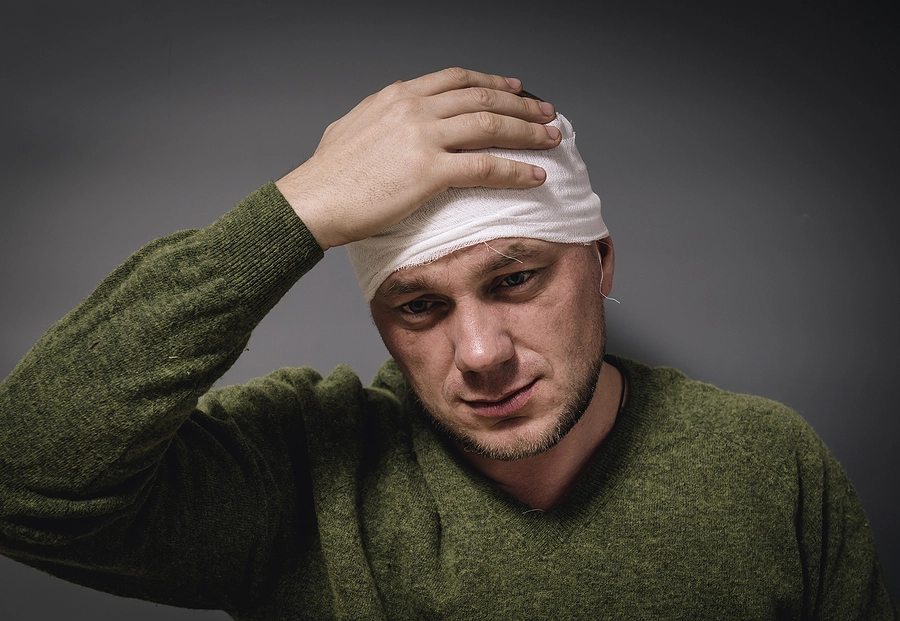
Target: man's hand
{"x": 399, "y": 148}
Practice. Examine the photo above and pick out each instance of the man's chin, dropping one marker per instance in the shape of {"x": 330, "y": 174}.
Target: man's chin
{"x": 512, "y": 439}
{"x": 522, "y": 437}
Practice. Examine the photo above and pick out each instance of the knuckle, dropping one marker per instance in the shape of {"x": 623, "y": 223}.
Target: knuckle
{"x": 482, "y": 97}
{"x": 531, "y": 107}
{"x": 487, "y": 123}
{"x": 457, "y": 75}
{"x": 391, "y": 90}
{"x": 483, "y": 167}
{"x": 331, "y": 128}
{"x": 405, "y": 107}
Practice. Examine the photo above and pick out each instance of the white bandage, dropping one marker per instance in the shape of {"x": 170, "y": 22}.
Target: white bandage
{"x": 563, "y": 209}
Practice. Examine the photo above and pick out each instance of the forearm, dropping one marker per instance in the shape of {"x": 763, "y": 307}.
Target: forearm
{"x": 92, "y": 407}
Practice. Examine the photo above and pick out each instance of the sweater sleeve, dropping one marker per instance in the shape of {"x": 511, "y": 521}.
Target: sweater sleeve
{"x": 111, "y": 475}
{"x": 842, "y": 572}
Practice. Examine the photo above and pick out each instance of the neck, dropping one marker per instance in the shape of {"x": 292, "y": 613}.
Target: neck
{"x": 544, "y": 480}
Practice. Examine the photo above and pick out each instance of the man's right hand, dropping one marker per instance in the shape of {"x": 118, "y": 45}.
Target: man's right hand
{"x": 400, "y": 147}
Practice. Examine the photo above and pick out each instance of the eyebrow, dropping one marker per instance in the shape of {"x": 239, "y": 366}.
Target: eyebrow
{"x": 514, "y": 253}
{"x": 405, "y": 286}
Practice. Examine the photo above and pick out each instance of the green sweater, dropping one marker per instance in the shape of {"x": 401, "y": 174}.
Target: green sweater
{"x": 298, "y": 497}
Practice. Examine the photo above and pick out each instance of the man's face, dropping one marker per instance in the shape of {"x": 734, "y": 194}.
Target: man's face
{"x": 503, "y": 341}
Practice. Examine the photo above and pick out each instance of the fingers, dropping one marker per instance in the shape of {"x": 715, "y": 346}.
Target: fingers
{"x": 476, "y": 99}
{"x": 456, "y": 78}
{"x": 467, "y": 170}
{"x": 473, "y": 110}
{"x": 482, "y": 130}
{"x": 459, "y": 91}
{"x": 465, "y": 109}
{"x": 400, "y": 147}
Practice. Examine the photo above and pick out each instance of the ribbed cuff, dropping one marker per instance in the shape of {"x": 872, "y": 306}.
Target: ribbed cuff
{"x": 263, "y": 248}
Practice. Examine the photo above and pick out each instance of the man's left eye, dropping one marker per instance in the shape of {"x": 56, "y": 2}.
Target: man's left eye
{"x": 516, "y": 279}
{"x": 416, "y": 307}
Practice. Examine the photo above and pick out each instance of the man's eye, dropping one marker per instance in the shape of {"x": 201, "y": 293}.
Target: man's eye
{"x": 516, "y": 279}
{"x": 416, "y": 306}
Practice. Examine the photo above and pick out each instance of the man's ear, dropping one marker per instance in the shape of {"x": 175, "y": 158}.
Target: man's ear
{"x": 607, "y": 264}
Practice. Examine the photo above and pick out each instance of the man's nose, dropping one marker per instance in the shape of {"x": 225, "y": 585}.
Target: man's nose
{"x": 480, "y": 338}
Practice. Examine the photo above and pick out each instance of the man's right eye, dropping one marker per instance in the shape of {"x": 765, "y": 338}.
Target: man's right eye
{"x": 416, "y": 307}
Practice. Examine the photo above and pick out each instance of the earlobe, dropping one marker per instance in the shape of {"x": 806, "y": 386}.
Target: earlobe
{"x": 607, "y": 255}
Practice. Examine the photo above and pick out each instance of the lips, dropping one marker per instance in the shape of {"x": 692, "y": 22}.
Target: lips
{"x": 507, "y": 405}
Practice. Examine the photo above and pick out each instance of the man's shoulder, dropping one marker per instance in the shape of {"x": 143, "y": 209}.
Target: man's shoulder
{"x": 687, "y": 414}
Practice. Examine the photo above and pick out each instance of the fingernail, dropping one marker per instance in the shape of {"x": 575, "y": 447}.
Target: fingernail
{"x": 514, "y": 83}
{"x": 539, "y": 173}
{"x": 546, "y": 108}
{"x": 552, "y": 132}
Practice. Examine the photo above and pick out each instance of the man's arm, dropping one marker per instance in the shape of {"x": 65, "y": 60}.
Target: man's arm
{"x": 400, "y": 147}
{"x": 109, "y": 473}
{"x": 841, "y": 567}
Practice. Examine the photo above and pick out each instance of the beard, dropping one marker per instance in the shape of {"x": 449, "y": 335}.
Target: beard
{"x": 580, "y": 397}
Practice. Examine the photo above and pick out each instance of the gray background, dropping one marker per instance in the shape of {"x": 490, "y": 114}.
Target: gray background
{"x": 747, "y": 160}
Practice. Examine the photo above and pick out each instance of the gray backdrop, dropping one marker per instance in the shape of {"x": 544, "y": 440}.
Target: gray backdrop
{"x": 747, "y": 160}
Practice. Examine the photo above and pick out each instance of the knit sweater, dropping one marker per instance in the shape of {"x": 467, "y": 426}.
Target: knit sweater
{"x": 295, "y": 497}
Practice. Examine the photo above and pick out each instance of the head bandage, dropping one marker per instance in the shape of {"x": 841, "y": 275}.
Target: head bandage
{"x": 563, "y": 209}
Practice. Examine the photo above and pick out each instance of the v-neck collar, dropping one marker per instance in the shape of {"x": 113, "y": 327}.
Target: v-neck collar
{"x": 468, "y": 500}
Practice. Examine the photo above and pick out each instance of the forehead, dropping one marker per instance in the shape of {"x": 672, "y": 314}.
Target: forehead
{"x": 470, "y": 263}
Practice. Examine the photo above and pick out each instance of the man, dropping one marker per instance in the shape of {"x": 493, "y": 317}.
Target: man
{"x": 500, "y": 467}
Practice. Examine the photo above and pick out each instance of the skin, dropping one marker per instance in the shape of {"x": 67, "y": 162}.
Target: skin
{"x": 500, "y": 367}
{"x": 503, "y": 343}
{"x": 400, "y": 147}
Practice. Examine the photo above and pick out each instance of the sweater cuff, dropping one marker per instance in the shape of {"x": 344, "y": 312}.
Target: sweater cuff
{"x": 262, "y": 247}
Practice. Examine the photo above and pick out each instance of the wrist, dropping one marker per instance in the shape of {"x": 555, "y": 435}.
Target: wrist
{"x": 299, "y": 194}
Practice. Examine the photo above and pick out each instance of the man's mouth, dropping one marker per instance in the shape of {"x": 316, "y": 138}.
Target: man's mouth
{"x": 506, "y": 405}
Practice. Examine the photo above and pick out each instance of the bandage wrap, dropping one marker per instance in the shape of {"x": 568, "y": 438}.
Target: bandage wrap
{"x": 564, "y": 209}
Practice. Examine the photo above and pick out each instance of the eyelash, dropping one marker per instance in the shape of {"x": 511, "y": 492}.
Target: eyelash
{"x": 529, "y": 274}
{"x": 405, "y": 309}
{"x": 502, "y": 283}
